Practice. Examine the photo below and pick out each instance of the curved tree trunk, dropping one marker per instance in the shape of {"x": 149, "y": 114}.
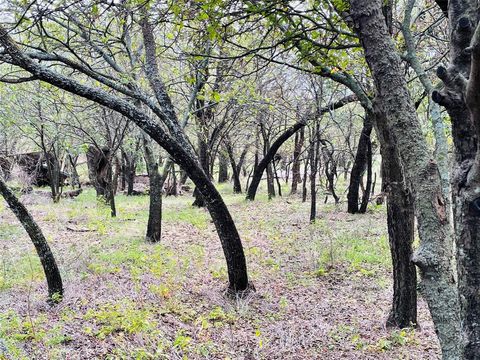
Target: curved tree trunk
{"x": 54, "y": 280}
{"x": 270, "y": 154}
{"x": 175, "y": 142}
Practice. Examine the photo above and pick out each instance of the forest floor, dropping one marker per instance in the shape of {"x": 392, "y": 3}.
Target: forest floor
{"x": 323, "y": 290}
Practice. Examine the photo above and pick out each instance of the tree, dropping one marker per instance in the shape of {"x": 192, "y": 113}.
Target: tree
{"x": 460, "y": 98}
{"x": 394, "y": 102}
{"x": 169, "y": 135}
{"x": 54, "y": 280}
{"x": 287, "y": 134}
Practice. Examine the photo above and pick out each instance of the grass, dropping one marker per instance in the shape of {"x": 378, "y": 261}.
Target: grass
{"x": 136, "y": 300}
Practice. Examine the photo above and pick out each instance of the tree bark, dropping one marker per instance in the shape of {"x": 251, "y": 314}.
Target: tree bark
{"x": 237, "y": 185}
{"x": 330, "y": 168}
{"x": 434, "y": 255}
{"x": 222, "y": 166}
{"x": 54, "y": 280}
{"x": 304, "y": 184}
{"x": 461, "y": 99}
{"x": 400, "y": 223}
{"x": 129, "y": 166}
{"x": 296, "y": 177}
{"x": 368, "y": 186}
{"x": 359, "y": 165}
{"x": 154, "y": 225}
{"x": 314, "y": 155}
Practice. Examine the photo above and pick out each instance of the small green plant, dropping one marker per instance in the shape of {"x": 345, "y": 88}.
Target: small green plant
{"x": 182, "y": 341}
{"x": 111, "y": 318}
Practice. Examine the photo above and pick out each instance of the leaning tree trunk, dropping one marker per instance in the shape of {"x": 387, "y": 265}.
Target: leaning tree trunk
{"x": 176, "y": 145}
{"x": 270, "y": 154}
{"x": 359, "y": 165}
{"x": 393, "y": 100}
{"x": 54, "y": 280}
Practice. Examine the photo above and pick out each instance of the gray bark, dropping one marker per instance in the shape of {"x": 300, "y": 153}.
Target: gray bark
{"x": 434, "y": 255}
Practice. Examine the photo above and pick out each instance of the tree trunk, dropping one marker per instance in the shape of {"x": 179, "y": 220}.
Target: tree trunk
{"x": 400, "y": 222}
{"x": 296, "y": 178}
{"x": 434, "y": 255}
{"x": 270, "y": 182}
{"x": 304, "y": 185}
{"x": 359, "y": 165}
{"x": 237, "y": 185}
{"x": 460, "y": 98}
{"x": 222, "y": 166}
{"x": 330, "y": 169}
{"x": 204, "y": 161}
{"x": 314, "y": 155}
{"x": 275, "y": 174}
{"x": 54, "y": 280}
{"x": 154, "y": 225}
{"x": 368, "y": 186}
{"x": 129, "y": 171}
{"x": 75, "y": 178}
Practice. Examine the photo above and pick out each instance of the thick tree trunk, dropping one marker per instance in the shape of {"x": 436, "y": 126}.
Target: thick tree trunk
{"x": 461, "y": 99}
{"x": 359, "y": 165}
{"x": 400, "y": 222}
{"x": 434, "y": 255}
{"x": 54, "y": 280}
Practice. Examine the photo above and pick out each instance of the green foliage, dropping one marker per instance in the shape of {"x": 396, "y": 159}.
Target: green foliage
{"x": 182, "y": 341}
{"x": 119, "y": 317}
